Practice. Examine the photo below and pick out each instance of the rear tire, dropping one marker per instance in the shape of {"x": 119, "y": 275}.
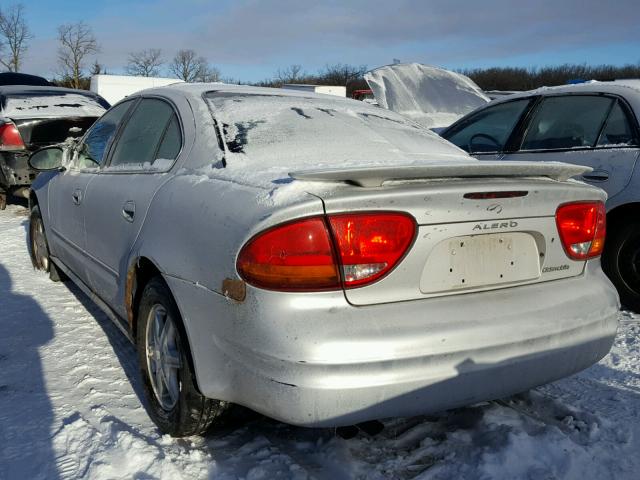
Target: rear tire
{"x": 39, "y": 247}
{"x": 172, "y": 399}
{"x": 621, "y": 263}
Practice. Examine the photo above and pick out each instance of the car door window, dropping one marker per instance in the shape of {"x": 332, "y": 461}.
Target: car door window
{"x": 92, "y": 149}
{"x": 170, "y": 145}
{"x": 617, "y": 131}
{"x": 572, "y": 121}
{"x": 150, "y": 140}
{"x": 488, "y": 130}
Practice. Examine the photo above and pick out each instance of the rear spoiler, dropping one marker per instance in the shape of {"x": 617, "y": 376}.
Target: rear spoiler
{"x": 376, "y": 176}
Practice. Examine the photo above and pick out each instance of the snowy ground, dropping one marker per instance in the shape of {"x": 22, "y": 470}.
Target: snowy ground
{"x": 70, "y": 408}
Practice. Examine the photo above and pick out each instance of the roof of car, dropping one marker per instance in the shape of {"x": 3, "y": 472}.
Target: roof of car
{"x": 27, "y": 89}
{"x": 14, "y": 78}
{"x": 618, "y": 87}
{"x": 628, "y": 89}
{"x": 197, "y": 89}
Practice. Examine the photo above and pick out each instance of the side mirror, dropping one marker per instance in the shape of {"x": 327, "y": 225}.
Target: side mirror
{"x": 46, "y": 159}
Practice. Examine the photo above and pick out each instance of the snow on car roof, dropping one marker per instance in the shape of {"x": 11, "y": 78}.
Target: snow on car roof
{"x": 629, "y": 89}
{"x": 21, "y": 101}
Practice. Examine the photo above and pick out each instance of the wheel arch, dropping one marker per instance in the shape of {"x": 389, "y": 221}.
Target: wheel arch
{"x": 621, "y": 214}
{"x": 141, "y": 271}
{"x": 33, "y": 199}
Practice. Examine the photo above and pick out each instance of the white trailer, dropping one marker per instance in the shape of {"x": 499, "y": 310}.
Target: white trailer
{"x": 114, "y": 88}
{"x": 335, "y": 90}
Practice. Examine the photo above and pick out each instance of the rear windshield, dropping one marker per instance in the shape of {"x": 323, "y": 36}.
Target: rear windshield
{"x": 52, "y": 104}
{"x": 294, "y": 132}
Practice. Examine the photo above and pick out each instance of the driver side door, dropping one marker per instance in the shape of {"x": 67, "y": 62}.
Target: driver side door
{"x": 486, "y": 133}
{"x": 67, "y": 191}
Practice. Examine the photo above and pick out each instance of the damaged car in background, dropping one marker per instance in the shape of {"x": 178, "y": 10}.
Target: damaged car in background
{"x": 32, "y": 117}
{"x": 319, "y": 260}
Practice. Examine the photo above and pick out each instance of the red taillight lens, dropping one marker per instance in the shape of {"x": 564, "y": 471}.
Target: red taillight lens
{"x": 582, "y": 228}
{"x": 301, "y": 255}
{"x": 370, "y": 244}
{"x": 10, "y": 138}
{"x": 293, "y": 256}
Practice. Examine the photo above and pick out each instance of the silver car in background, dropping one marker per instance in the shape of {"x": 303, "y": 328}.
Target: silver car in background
{"x": 319, "y": 260}
{"x": 594, "y": 124}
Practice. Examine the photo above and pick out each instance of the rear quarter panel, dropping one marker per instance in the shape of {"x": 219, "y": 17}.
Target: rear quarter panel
{"x": 196, "y": 226}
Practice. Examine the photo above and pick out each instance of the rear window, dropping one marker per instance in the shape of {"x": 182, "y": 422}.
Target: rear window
{"x": 310, "y": 132}
{"x": 52, "y": 104}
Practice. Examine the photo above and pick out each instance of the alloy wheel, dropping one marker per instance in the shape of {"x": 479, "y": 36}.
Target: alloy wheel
{"x": 163, "y": 356}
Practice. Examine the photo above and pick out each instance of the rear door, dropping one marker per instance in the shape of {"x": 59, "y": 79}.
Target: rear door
{"x": 118, "y": 198}
{"x": 67, "y": 191}
{"x": 592, "y": 130}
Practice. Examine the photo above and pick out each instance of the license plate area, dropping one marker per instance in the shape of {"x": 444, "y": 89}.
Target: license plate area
{"x": 476, "y": 261}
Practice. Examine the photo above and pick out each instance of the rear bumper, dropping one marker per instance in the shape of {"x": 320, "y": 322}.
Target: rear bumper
{"x": 315, "y": 360}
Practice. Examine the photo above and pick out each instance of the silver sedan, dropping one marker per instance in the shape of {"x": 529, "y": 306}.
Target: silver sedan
{"x": 595, "y": 124}
{"x": 319, "y": 260}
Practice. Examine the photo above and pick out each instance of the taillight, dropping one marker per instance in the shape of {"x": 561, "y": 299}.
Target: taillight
{"x": 327, "y": 253}
{"x": 10, "y": 138}
{"x": 293, "y": 256}
{"x": 582, "y": 228}
{"x": 370, "y": 244}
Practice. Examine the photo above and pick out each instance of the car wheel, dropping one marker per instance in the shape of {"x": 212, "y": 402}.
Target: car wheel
{"x": 3, "y": 201}
{"x": 39, "y": 248}
{"x": 173, "y": 401}
{"x": 621, "y": 263}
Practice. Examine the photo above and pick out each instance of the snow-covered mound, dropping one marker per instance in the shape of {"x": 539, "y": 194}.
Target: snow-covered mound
{"x": 432, "y": 96}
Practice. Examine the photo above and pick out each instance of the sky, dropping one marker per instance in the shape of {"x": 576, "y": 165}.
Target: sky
{"x": 250, "y": 40}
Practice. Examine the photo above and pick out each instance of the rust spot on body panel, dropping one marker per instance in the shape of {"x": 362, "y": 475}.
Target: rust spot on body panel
{"x": 234, "y": 289}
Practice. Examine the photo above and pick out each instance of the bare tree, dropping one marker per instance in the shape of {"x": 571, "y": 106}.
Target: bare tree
{"x": 145, "y": 63}
{"x": 341, "y": 74}
{"x": 16, "y": 36}
{"x": 97, "y": 68}
{"x": 208, "y": 74}
{"x": 291, "y": 74}
{"x": 76, "y": 42}
{"x": 190, "y": 67}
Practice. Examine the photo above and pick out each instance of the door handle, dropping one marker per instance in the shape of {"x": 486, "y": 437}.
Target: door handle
{"x": 597, "y": 176}
{"x": 77, "y": 196}
{"x": 129, "y": 211}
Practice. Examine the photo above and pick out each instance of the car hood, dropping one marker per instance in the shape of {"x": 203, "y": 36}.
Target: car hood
{"x": 431, "y": 96}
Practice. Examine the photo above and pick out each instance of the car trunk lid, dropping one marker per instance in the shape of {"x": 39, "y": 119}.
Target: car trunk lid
{"x": 467, "y": 243}
{"x": 49, "y": 116}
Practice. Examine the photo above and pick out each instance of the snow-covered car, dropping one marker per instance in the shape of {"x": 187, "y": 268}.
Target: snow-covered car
{"x": 431, "y": 96}
{"x": 319, "y": 260}
{"x": 594, "y": 124}
{"x": 32, "y": 117}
